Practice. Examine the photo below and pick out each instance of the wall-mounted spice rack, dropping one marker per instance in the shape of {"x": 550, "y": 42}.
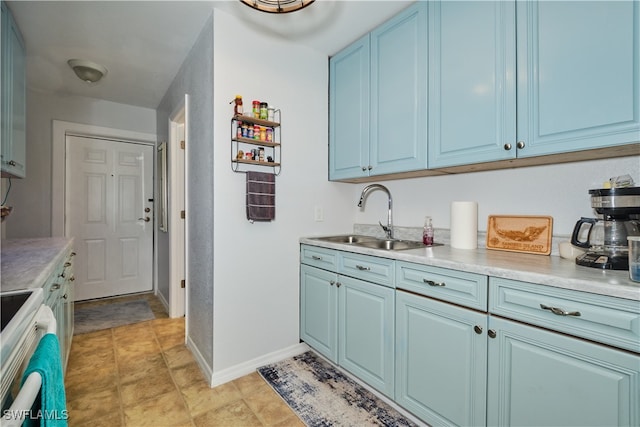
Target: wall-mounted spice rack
{"x": 242, "y": 143}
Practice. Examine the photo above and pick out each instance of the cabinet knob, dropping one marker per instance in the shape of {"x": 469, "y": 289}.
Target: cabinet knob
{"x": 364, "y": 169}
{"x": 67, "y": 264}
{"x": 363, "y": 268}
{"x": 72, "y": 278}
{"x": 492, "y": 333}
{"x": 338, "y": 284}
{"x": 370, "y": 167}
{"x": 73, "y": 254}
{"x": 65, "y": 296}
{"x": 332, "y": 282}
{"x": 316, "y": 257}
{"x": 477, "y": 329}
{"x": 507, "y": 146}
{"x": 11, "y": 162}
{"x": 520, "y": 145}
{"x": 54, "y": 287}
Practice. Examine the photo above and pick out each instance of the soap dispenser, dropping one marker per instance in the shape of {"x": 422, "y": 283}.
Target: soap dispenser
{"x": 427, "y": 232}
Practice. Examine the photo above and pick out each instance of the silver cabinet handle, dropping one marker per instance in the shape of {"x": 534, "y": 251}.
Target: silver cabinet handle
{"x": 72, "y": 278}
{"x": 559, "y": 311}
{"x": 477, "y": 329}
{"x": 520, "y": 145}
{"x": 492, "y": 333}
{"x": 54, "y": 287}
{"x": 432, "y": 283}
{"x": 332, "y": 282}
{"x": 507, "y": 146}
{"x": 338, "y": 284}
{"x": 316, "y": 257}
{"x": 362, "y": 268}
{"x": 67, "y": 264}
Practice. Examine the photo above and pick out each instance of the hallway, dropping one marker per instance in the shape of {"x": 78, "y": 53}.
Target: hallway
{"x": 143, "y": 375}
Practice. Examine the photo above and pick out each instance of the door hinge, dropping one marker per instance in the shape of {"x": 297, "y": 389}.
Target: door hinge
{"x": 183, "y": 284}
{"x": 182, "y": 145}
{"x": 182, "y": 214}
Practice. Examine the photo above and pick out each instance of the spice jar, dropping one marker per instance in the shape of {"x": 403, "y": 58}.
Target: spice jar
{"x": 256, "y": 132}
{"x": 269, "y": 135}
{"x": 261, "y": 154}
{"x": 263, "y": 133}
{"x": 256, "y": 109}
{"x": 250, "y": 132}
{"x": 263, "y": 111}
{"x": 239, "y": 130}
{"x": 245, "y": 130}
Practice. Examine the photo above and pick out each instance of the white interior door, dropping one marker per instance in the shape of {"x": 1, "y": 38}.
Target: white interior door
{"x": 109, "y": 212}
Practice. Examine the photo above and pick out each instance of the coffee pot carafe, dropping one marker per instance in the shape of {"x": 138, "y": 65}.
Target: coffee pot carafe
{"x": 605, "y": 238}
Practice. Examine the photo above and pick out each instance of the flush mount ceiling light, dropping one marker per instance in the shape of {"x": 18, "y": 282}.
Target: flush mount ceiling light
{"x": 87, "y": 71}
{"x": 277, "y": 6}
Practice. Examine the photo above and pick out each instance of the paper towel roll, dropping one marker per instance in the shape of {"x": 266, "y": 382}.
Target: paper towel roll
{"x": 464, "y": 225}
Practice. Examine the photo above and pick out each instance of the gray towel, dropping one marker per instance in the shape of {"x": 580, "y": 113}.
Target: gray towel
{"x": 261, "y": 196}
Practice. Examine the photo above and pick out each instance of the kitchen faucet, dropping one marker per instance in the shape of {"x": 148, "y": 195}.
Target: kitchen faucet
{"x": 389, "y": 228}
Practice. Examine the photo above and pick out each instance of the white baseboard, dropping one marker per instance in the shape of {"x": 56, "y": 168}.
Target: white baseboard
{"x": 250, "y": 366}
{"x": 202, "y": 362}
{"x": 164, "y": 302}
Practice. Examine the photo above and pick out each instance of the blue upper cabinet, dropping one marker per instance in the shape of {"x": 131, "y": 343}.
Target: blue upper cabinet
{"x": 378, "y": 100}
{"x": 399, "y": 93}
{"x": 578, "y": 75}
{"x": 13, "y": 88}
{"x": 472, "y": 98}
{"x": 349, "y": 111}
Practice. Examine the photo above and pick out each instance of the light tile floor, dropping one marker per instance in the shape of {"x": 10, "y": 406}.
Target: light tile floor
{"x": 143, "y": 375}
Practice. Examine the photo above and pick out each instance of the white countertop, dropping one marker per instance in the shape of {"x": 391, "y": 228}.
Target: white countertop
{"x": 545, "y": 270}
{"x": 28, "y": 263}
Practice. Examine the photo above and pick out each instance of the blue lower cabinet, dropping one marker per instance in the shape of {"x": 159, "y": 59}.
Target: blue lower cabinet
{"x": 318, "y": 310}
{"x": 351, "y": 323}
{"x": 441, "y": 361}
{"x": 366, "y": 332}
{"x": 541, "y": 378}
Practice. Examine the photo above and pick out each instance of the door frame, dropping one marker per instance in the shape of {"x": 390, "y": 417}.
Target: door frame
{"x": 178, "y": 253}
{"x": 58, "y": 170}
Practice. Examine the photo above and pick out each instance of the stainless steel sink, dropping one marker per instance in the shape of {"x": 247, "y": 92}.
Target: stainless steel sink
{"x": 392, "y": 245}
{"x": 347, "y": 238}
{"x": 374, "y": 242}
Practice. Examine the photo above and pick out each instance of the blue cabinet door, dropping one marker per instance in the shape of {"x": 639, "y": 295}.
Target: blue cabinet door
{"x": 472, "y": 88}
{"x": 578, "y": 68}
{"x": 349, "y": 112}
{"x": 441, "y": 361}
{"x": 399, "y": 93}
{"x": 318, "y": 310}
{"x": 13, "y": 111}
{"x": 367, "y": 332}
{"x": 542, "y": 378}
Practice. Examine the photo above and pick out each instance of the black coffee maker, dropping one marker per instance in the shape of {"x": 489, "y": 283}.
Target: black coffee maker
{"x": 618, "y": 212}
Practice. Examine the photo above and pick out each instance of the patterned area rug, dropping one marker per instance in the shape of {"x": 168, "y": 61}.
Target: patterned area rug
{"x": 97, "y": 317}
{"x": 322, "y": 396}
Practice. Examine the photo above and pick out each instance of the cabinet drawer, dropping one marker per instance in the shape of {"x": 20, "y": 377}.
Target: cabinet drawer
{"x": 319, "y": 257}
{"x": 604, "y": 319}
{"x": 458, "y": 287}
{"x": 365, "y": 267}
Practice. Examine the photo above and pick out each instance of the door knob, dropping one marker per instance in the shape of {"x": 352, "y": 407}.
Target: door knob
{"x": 145, "y": 219}
{"x": 147, "y": 210}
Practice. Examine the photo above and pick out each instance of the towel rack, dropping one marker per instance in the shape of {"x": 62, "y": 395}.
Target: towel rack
{"x": 243, "y": 143}
{"x": 46, "y": 322}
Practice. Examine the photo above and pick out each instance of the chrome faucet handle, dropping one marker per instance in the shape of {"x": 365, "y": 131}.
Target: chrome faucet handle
{"x": 387, "y": 230}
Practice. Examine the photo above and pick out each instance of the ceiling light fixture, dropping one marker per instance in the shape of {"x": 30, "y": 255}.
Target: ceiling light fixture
{"x": 87, "y": 71}
{"x": 277, "y": 6}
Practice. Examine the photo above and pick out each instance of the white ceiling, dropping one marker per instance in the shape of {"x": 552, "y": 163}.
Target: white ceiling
{"x": 143, "y": 43}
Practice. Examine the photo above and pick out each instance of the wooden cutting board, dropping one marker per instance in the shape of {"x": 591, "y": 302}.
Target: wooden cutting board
{"x": 523, "y": 233}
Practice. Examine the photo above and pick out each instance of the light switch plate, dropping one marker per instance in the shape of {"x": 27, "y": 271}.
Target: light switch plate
{"x": 318, "y": 214}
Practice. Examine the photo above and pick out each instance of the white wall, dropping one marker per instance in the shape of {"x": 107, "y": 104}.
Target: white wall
{"x": 561, "y": 191}
{"x": 256, "y": 265}
{"x": 31, "y": 196}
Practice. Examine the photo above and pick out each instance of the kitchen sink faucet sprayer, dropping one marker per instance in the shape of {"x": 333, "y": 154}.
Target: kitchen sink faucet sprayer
{"x": 389, "y": 228}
